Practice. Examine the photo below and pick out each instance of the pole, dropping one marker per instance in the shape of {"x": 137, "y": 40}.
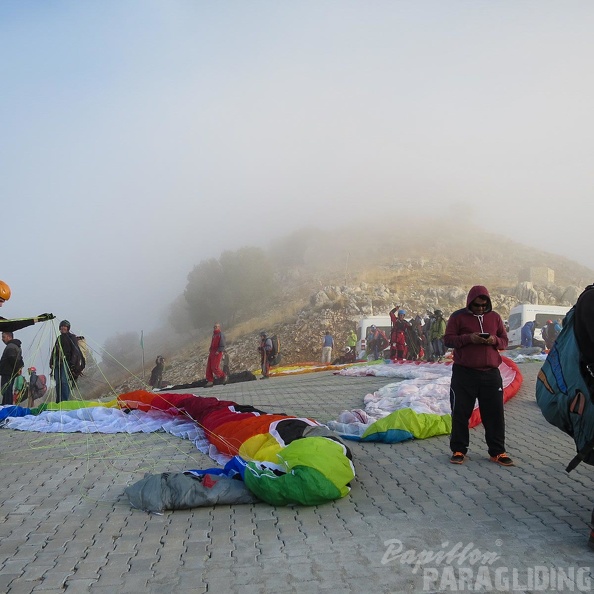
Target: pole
{"x": 142, "y": 347}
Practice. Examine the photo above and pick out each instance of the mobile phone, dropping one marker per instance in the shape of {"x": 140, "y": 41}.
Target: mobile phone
{"x": 484, "y": 335}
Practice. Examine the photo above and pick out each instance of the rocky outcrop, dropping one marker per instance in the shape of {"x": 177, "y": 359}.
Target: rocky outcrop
{"x": 526, "y": 293}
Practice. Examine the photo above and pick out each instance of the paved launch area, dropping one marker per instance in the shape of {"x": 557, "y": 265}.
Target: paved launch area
{"x": 413, "y": 522}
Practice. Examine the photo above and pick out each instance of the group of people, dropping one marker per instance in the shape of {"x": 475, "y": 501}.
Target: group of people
{"x": 411, "y": 340}
{"x": 550, "y": 331}
{"x": 476, "y": 334}
{"x": 11, "y": 361}
{"x": 418, "y": 339}
{"x": 217, "y": 365}
{"x": 66, "y": 359}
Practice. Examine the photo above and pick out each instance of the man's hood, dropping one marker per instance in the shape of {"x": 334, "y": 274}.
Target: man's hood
{"x": 479, "y": 291}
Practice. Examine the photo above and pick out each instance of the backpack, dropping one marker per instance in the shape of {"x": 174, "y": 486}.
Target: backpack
{"x": 39, "y": 388}
{"x": 563, "y": 395}
{"x": 77, "y": 360}
{"x": 20, "y": 389}
{"x": 274, "y": 356}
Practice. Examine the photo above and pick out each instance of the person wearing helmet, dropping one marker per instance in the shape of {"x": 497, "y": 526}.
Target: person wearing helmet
{"x": 264, "y": 349}
{"x": 4, "y": 292}
{"x": 14, "y": 325}
{"x": 37, "y": 386}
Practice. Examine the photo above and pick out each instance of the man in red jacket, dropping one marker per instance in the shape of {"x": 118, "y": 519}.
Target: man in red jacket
{"x": 215, "y": 356}
{"x": 477, "y": 334}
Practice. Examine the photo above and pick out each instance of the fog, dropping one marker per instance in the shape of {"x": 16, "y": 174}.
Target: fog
{"x": 140, "y": 137}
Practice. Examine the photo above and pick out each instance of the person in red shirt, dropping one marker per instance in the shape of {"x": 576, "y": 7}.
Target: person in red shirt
{"x": 400, "y": 326}
{"x": 477, "y": 334}
{"x": 215, "y": 356}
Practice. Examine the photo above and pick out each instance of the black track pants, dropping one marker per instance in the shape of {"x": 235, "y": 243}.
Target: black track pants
{"x": 467, "y": 386}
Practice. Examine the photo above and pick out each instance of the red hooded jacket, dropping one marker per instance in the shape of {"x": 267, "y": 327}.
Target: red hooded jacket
{"x": 217, "y": 343}
{"x": 464, "y": 322}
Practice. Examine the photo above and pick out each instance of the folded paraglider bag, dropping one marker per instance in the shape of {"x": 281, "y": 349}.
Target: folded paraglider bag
{"x": 234, "y": 378}
{"x": 165, "y": 491}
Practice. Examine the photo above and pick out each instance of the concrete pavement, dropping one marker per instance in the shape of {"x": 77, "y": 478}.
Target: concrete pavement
{"x": 412, "y": 523}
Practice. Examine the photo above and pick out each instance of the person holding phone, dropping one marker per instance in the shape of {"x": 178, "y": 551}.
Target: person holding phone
{"x": 477, "y": 334}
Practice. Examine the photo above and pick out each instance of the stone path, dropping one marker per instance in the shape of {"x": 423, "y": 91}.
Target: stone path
{"x": 65, "y": 525}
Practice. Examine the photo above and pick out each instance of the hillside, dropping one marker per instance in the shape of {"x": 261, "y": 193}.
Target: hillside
{"x": 419, "y": 269}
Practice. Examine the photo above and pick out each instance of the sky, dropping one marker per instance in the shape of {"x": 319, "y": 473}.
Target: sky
{"x": 140, "y": 137}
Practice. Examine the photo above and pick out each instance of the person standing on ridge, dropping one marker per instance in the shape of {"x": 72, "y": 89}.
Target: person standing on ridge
{"x": 476, "y": 333}
{"x": 215, "y": 356}
{"x": 157, "y": 372}
{"x": 327, "y": 346}
{"x": 264, "y": 349}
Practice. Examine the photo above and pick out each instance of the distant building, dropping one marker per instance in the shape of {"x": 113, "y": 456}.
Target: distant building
{"x": 539, "y": 275}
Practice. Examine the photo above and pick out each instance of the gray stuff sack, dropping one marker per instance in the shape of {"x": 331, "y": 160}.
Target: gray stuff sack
{"x": 170, "y": 491}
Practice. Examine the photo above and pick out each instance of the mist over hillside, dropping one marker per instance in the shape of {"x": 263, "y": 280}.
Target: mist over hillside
{"x": 327, "y": 279}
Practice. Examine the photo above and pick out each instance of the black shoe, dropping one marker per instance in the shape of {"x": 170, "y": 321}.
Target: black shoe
{"x": 225, "y": 380}
{"x": 502, "y": 459}
{"x": 458, "y": 458}
{"x": 265, "y": 377}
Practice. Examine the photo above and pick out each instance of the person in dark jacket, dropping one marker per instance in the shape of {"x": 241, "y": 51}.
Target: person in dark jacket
{"x": 215, "y": 356}
{"x": 549, "y": 334}
{"x": 436, "y": 335}
{"x": 11, "y": 363}
{"x": 265, "y": 349}
{"x": 476, "y": 333}
{"x": 157, "y": 372}
{"x": 60, "y": 361}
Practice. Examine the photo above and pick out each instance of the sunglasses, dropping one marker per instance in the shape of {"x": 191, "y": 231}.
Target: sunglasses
{"x": 475, "y": 304}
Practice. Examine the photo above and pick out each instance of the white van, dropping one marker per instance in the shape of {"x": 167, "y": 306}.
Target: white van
{"x": 528, "y": 312}
{"x": 382, "y": 322}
